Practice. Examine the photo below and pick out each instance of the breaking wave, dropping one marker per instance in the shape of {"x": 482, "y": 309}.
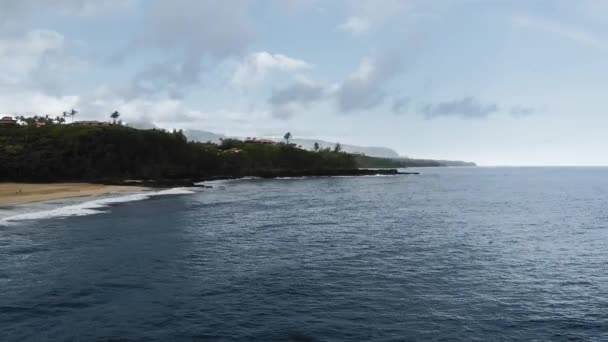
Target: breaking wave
{"x": 95, "y": 206}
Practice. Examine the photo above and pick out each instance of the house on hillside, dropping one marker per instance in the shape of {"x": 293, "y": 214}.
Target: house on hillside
{"x": 8, "y": 121}
{"x": 260, "y": 141}
{"x": 91, "y": 123}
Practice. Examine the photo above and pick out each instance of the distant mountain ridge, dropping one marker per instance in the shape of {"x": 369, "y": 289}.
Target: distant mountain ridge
{"x": 203, "y": 136}
{"x": 371, "y": 151}
{"x": 455, "y": 163}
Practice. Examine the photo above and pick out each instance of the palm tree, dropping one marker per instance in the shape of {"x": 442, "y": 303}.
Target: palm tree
{"x": 338, "y": 148}
{"x": 287, "y": 137}
{"x": 114, "y": 116}
{"x": 316, "y": 147}
{"x": 73, "y": 113}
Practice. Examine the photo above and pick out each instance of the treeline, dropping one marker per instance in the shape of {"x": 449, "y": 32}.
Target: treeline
{"x": 373, "y": 162}
{"x": 77, "y": 153}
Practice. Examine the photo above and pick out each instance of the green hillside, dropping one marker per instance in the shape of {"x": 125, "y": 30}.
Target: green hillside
{"x": 61, "y": 152}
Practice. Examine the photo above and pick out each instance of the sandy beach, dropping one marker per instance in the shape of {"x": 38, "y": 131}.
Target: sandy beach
{"x": 19, "y": 193}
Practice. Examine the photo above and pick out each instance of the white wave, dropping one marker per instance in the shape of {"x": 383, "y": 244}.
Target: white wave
{"x": 225, "y": 181}
{"x": 174, "y": 191}
{"x": 91, "y": 207}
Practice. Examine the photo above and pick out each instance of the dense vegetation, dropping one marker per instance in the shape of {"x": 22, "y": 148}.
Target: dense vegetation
{"x": 60, "y": 152}
{"x": 372, "y": 162}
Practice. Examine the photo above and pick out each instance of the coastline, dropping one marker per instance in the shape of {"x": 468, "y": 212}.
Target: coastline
{"x": 22, "y": 193}
{"x": 266, "y": 174}
{"x": 13, "y": 193}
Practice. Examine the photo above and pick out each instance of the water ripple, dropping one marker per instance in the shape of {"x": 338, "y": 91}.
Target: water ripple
{"x": 453, "y": 255}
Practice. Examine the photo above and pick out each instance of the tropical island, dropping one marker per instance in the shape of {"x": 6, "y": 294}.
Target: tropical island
{"x": 51, "y": 150}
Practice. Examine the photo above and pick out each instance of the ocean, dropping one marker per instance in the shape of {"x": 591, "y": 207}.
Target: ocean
{"x": 453, "y": 254}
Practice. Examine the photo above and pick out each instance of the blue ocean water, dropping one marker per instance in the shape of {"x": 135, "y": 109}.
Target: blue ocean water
{"x": 454, "y": 254}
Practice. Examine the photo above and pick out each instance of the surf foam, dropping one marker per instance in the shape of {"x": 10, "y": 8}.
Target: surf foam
{"x": 91, "y": 207}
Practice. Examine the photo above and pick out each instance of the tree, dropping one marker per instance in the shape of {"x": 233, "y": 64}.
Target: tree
{"x": 338, "y": 148}
{"x": 114, "y": 116}
{"x": 78, "y": 153}
{"x": 72, "y": 113}
{"x": 316, "y": 147}
{"x": 287, "y": 137}
{"x": 29, "y": 121}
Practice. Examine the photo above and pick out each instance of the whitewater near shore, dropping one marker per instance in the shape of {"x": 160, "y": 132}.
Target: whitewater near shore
{"x": 20, "y": 193}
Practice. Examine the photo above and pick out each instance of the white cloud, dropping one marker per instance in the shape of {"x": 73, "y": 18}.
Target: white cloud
{"x": 21, "y": 55}
{"x": 185, "y": 36}
{"x": 31, "y": 102}
{"x": 296, "y": 97}
{"x": 571, "y": 33}
{"x": 364, "y": 89}
{"x": 35, "y": 60}
{"x": 257, "y": 66}
{"x": 355, "y": 25}
{"x": 34, "y": 67}
{"x": 13, "y": 11}
{"x": 66, "y": 6}
{"x": 161, "y": 112}
{"x": 173, "y": 113}
{"x": 366, "y": 14}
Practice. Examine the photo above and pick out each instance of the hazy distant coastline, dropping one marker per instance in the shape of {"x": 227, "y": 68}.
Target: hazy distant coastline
{"x": 369, "y": 151}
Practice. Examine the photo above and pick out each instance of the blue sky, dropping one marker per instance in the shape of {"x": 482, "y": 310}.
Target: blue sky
{"x": 493, "y": 81}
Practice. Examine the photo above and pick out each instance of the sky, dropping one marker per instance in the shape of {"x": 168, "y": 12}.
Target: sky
{"x": 498, "y": 82}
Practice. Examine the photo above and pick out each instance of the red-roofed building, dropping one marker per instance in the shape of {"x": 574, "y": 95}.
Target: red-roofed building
{"x": 8, "y": 121}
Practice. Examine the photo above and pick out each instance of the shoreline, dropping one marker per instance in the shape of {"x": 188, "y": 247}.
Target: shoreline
{"x": 264, "y": 174}
{"x": 25, "y": 193}
{"x": 13, "y": 193}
